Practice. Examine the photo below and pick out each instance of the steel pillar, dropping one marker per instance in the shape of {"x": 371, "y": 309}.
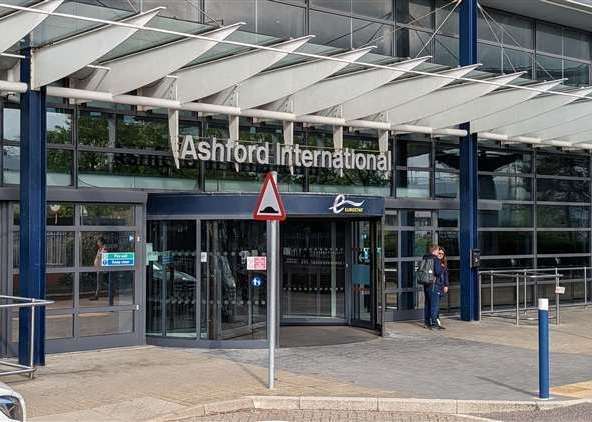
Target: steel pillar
{"x": 33, "y": 165}
{"x": 469, "y": 181}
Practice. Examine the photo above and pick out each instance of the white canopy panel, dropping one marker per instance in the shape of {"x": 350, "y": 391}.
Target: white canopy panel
{"x": 484, "y": 106}
{"x": 524, "y": 111}
{"x": 443, "y": 99}
{"x": 399, "y": 92}
{"x": 275, "y": 84}
{"x": 59, "y": 60}
{"x": 156, "y": 63}
{"x": 336, "y": 90}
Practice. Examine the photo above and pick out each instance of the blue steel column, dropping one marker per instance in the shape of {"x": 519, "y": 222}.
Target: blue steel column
{"x": 469, "y": 182}
{"x": 33, "y": 164}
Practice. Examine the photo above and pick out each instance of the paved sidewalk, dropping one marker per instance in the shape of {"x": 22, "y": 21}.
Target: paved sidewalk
{"x": 487, "y": 360}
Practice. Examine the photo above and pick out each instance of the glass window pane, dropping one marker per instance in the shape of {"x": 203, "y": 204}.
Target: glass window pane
{"x": 446, "y": 50}
{"x": 505, "y": 188}
{"x": 415, "y": 243}
{"x": 563, "y": 242}
{"x": 391, "y": 219}
{"x": 96, "y": 128}
{"x": 60, "y": 290}
{"x": 578, "y": 74}
{"x": 491, "y": 58}
{"x": 415, "y": 12}
{"x": 549, "y": 38}
{"x": 103, "y": 323}
{"x": 59, "y": 167}
{"x": 447, "y": 185}
{"x": 109, "y": 288}
{"x": 517, "y": 61}
{"x": 559, "y": 190}
{"x": 11, "y": 123}
{"x": 517, "y": 31}
{"x": 448, "y": 240}
{"x": 391, "y": 246}
{"x": 337, "y": 5}
{"x": 59, "y": 326}
{"x": 381, "y": 9}
{"x": 413, "y": 154}
{"x": 505, "y": 243}
{"x": 416, "y": 218}
{"x": 443, "y": 16}
{"x": 11, "y": 155}
{"x": 59, "y": 249}
{"x": 412, "y": 43}
{"x": 60, "y": 214}
{"x": 94, "y": 244}
{"x": 227, "y": 12}
{"x": 448, "y": 218}
{"x": 548, "y": 68}
{"x": 576, "y": 44}
{"x": 509, "y": 216}
{"x": 330, "y": 29}
{"x": 365, "y": 33}
{"x": 143, "y": 133}
{"x": 504, "y": 161}
{"x": 413, "y": 184}
{"x": 107, "y": 215}
{"x": 59, "y": 126}
{"x": 563, "y": 165}
{"x": 135, "y": 171}
{"x": 558, "y": 216}
{"x": 563, "y": 261}
{"x": 279, "y": 20}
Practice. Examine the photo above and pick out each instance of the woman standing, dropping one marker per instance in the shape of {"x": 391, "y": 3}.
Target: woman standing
{"x": 441, "y": 285}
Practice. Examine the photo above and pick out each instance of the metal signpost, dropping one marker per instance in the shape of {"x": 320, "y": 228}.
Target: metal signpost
{"x": 270, "y": 208}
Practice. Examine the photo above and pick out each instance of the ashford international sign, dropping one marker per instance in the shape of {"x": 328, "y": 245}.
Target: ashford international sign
{"x": 280, "y": 154}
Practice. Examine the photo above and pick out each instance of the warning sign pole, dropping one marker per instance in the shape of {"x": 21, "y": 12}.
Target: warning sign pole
{"x": 272, "y": 277}
{"x": 270, "y": 208}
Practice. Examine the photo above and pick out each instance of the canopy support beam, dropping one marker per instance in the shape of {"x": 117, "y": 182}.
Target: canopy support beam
{"x": 32, "y": 190}
{"x": 469, "y": 181}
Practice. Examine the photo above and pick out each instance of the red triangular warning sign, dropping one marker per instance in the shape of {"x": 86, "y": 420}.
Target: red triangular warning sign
{"x": 269, "y": 203}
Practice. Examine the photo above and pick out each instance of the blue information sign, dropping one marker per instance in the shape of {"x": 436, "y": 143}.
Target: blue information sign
{"x": 118, "y": 259}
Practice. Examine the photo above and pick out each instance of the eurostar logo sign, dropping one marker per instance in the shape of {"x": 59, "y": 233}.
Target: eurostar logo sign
{"x": 342, "y": 205}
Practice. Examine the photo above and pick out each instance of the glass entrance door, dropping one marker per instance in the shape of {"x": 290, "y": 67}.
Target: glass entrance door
{"x": 313, "y": 272}
{"x": 363, "y": 274}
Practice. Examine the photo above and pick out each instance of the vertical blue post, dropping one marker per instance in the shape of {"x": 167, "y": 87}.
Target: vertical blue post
{"x": 33, "y": 164}
{"x": 469, "y": 182}
{"x": 543, "y": 348}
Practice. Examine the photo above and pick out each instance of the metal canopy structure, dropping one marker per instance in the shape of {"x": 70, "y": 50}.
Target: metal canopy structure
{"x": 133, "y": 59}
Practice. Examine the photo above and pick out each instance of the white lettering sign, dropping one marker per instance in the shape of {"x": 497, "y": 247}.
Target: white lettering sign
{"x": 340, "y": 204}
{"x": 283, "y": 155}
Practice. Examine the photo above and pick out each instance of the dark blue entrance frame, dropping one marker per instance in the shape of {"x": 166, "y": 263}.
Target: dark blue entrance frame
{"x": 33, "y": 165}
{"x": 240, "y": 205}
{"x": 469, "y": 182}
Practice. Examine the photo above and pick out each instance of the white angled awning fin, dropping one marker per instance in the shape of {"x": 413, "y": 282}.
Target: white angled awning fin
{"x": 524, "y": 111}
{"x": 56, "y": 61}
{"x": 443, "y": 99}
{"x": 399, "y": 92}
{"x": 275, "y": 84}
{"x": 16, "y": 25}
{"x": 206, "y": 79}
{"x": 484, "y": 106}
{"x": 564, "y": 130}
{"x": 155, "y": 63}
{"x": 567, "y": 113}
{"x": 334, "y": 91}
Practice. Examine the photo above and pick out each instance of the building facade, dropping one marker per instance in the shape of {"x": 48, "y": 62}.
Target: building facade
{"x": 186, "y": 232}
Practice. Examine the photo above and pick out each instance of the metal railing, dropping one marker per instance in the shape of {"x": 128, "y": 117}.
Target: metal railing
{"x": 23, "y": 302}
{"x": 538, "y": 280}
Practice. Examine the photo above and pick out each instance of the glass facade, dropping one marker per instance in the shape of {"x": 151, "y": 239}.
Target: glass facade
{"x": 535, "y": 203}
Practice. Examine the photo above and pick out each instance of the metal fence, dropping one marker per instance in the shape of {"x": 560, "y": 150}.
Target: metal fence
{"x": 17, "y": 303}
{"x": 518, "y": 291}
